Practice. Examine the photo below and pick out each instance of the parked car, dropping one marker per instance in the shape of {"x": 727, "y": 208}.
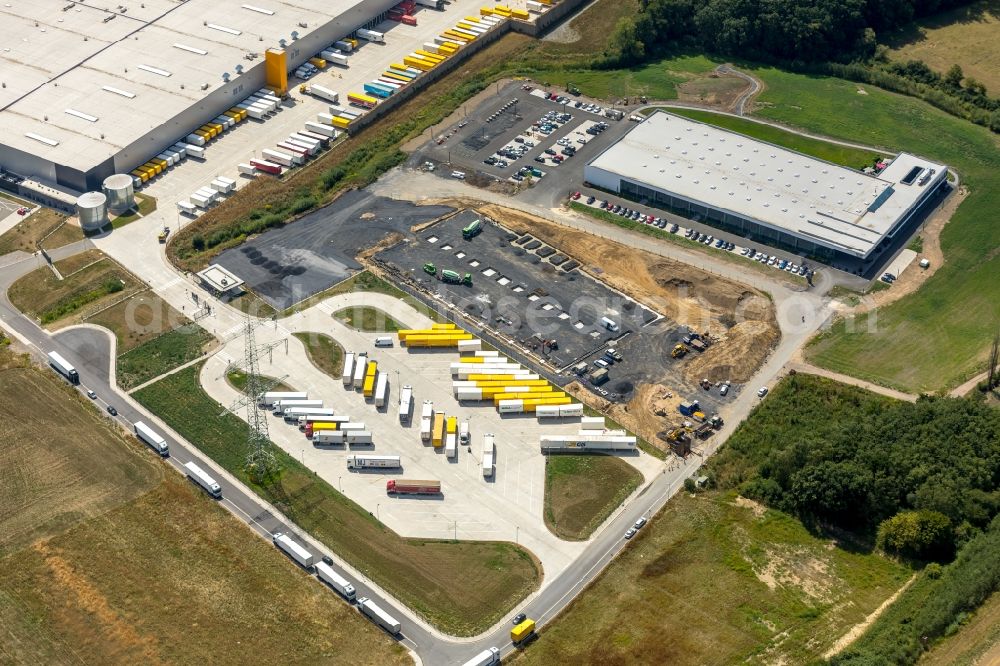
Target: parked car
{"x": 762, "y": 391}
{"x": 639, "y": 523}
{"x": 91, "y": 395}
{"x": 629, "y": 533}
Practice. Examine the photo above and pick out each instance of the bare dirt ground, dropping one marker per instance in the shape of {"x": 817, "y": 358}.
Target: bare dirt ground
{"x": 739, "y": 320}
{"x": 715, "y": 90}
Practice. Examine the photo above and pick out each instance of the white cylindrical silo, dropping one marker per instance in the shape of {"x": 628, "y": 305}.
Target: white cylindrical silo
{"x": 92, "y": 207}
{"x": 120, "y": 193}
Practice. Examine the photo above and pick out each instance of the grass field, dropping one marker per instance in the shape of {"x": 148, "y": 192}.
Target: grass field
{"x": 966, "y": 36}
{"x": 106, "y": 556}
{"x": 144, "y": 206}
{"x": 70, "y": 265}
{"x": 28, "y": 232}
{"x": 55, "y": 302}
{"x": 939, "y": 335}
{"x": 238, "y": 380}
{"x": 162, "y": 354}
{"x": 461, "y": 587}
{"x": 581, "y": 491}
{"x": 138, "y": 319}
{"x": 854, "y": 158}
{"x": 716, "y": 580}
{"x": 324, "y": 352}
{"x": 367, "y": 319}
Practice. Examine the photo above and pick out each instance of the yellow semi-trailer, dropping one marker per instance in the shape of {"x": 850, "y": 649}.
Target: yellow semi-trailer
{"x": 437, "y": 436}
{"x": 427, "y": 55}
{"x": 451, "y": 34}
{"x": 468, "y": 34}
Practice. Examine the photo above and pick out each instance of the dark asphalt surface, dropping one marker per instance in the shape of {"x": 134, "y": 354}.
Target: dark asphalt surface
{"x": 292, "y": 263}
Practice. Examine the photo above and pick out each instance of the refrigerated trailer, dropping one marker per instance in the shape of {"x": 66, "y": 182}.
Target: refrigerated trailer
{"x": 294, "y": 550}
{"x": 426, "y": 420}
{"x": 373, "y": 462}
{"x": 322, "y": 92}
{"x": 293, "y": 414}
{"x": 381, "y": 389}
{"x": 371, "y": 35}
{"x": 326, "y": 574}
{"x": 489, "y": 455}
{"x": 63, "y": 367}
{"x": 329, "y": 437}
{"x": 378, "y": 616}
{"x": 279, "y": 406}
{"x": 151, "y": 437}
{"x": 198, "y": 475}
{"x": 348, "y": 373}
{"x": 587, "y": 441}
{"x": 487, "y": 657}
{"x": 405, "y": 404}
{"x": 359, "y": 370}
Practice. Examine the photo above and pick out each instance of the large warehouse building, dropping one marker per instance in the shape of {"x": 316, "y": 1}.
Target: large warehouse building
{"x": 773, "y": 195}
{"x": 90, "y": 88}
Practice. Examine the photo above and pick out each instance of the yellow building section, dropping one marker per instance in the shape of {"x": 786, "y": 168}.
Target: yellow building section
{"x": 451, "y": 425}
{"x": 276, "y": 70}
{"x": 437, "y": 435}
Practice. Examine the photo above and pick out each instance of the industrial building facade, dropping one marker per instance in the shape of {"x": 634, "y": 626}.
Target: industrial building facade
{"x": 90, "y": 91}
{"x": 760, "y": 191}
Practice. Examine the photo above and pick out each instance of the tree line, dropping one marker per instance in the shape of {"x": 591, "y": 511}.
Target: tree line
{"x": 917, "y": 479}
{"x": 835, "y": 37}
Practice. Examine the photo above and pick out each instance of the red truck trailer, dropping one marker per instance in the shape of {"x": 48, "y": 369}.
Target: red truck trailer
{"x": 412, "y": 487}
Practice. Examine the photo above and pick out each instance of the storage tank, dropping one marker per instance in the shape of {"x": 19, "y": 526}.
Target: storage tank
{"x": 92, "y": 208}
{"x": 119, "y": 190}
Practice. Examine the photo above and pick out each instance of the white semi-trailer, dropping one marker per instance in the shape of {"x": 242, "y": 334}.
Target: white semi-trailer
{"x": 63, "y": 367}
{"x": 279, "y": 406}
{"x": 489, "y": 455}
{"x": 198, "y": 475}
{"x": 379, "y": 462}
{"x": 360, "y": 365}
{"x": 328, "y": 437}
{"x": 326, "y": 574}
{"x": 451, "y": 445}
{"x": 426, "y": 418}
{"x": 294, "y": 550}
{"x": 151, "y": 437}
{"x": 487, "y": 657}
{"x": 371, "y": 35}
{"x": 378, "y": 616}
{"x": 381, "y": 389}
{"x": 358, "y": 437}
{"x": 588, "y": 441}
{"x": 292, "y": 414}
{"x": 405, "y": 404}
{"x": 348, "y": 374}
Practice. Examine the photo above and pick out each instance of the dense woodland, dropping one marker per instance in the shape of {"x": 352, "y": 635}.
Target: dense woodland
{"x": 919, "y": 481}
{"x": 836, "y": 37}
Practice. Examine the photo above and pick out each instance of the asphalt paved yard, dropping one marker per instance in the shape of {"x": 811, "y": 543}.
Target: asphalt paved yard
{"x": 507, "y": 116}
{"x": 521, "y": 287}
{"x": 287, "y": 265}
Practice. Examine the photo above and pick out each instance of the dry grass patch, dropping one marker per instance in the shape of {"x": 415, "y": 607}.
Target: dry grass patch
{"x": 46, "y": 485}
{"x": 139, "y": 319}
{"x": 581, "y": 491}
{"x": 59, "y": 303}
{"x": 27, "y": 233}
{"x": 324, "y": 352}
{"x": 691, "y": 588}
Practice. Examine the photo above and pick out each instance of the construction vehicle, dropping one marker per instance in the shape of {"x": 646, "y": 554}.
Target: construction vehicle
{"x": 688, "y": 408}
{"x": 163, "y": 235}
{"x": 708, "y": 427}
{"x": 679, "y": 351}
{"x": 698, "y": 345}
{"x": 471, "y": 231}
{"x": 705, "y": 384}
{"x": 454, "y": 278}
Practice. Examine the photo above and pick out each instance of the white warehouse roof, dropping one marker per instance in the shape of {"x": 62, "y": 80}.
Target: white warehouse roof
{"x": 841, "y": 208}
{"x": 84, "y": 79}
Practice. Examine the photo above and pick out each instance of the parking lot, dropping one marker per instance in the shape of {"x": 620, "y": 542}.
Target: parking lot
{"x": 289, "y": 264}
{"x": 507, "y": 506}
{"x": 529, "y": 128}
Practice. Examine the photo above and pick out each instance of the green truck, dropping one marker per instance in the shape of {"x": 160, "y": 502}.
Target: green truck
{"x": 455, "y": 278}
{"x": 471, "y": 231}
